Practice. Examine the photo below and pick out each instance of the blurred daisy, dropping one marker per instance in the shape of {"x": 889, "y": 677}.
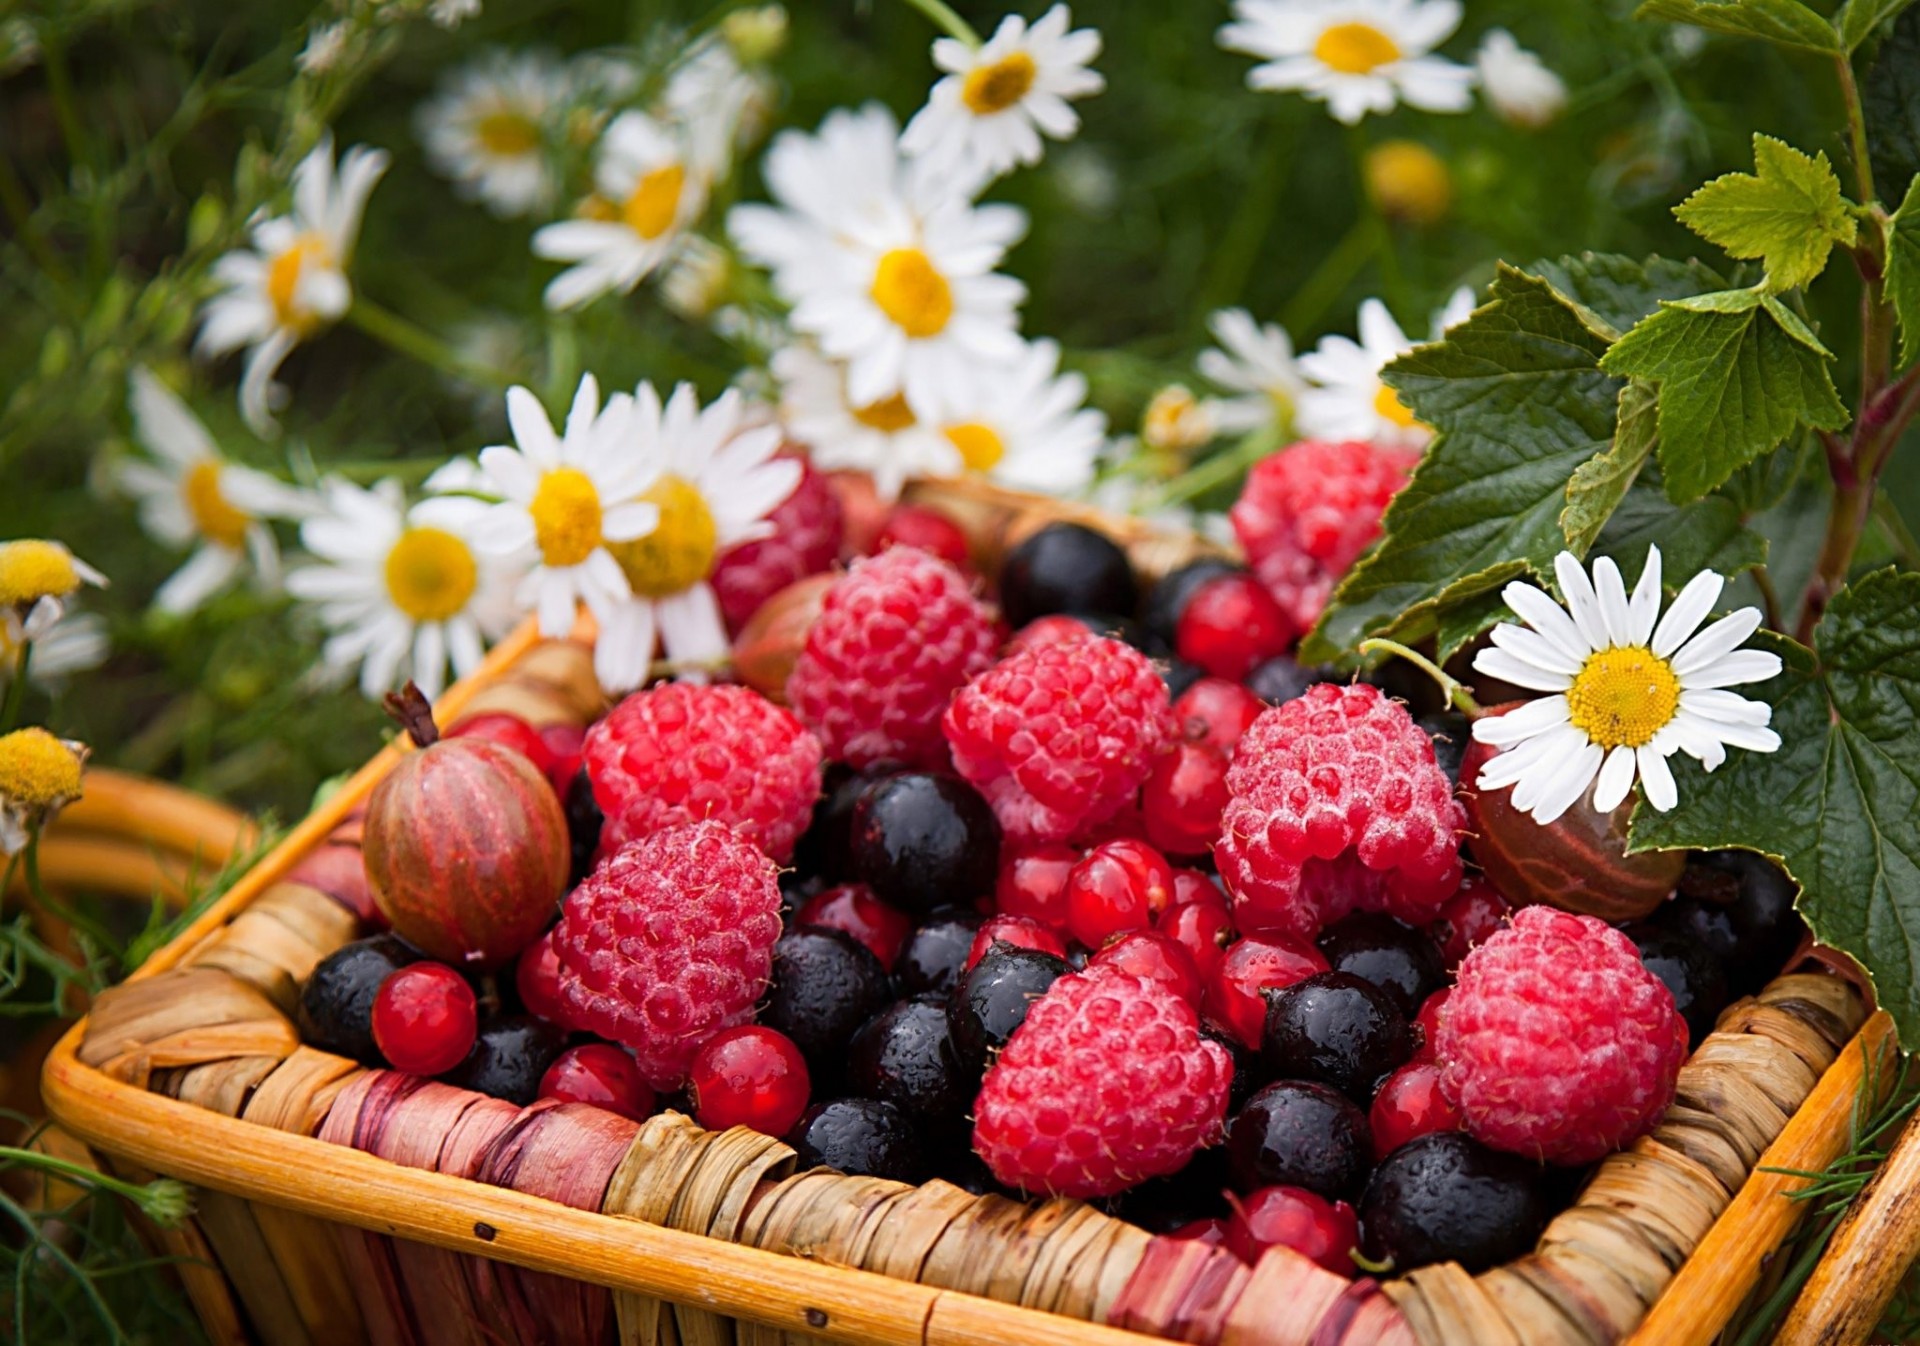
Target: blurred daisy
{"x": 190, "y": 496}
{"x": 402, "y": 591}
{"x": 293, "y": 280}
{"x": 37, "y": 577}
{"x": 1518, "y": 84}
{"x": 717, "y": 105}
{"x": 884, "y": 438}
{"x": 1254, "y": 362}
{"x": 718, "y": 482}
{"x": 1031, "y": 428}
{"x": 1347, "y": 399}
{"x": 1176, "y": 421}
{"x": 829, "y": 183}
{"x": 649, "y": 192}
{"x": 74, "y": 644}
{"x": 451, "y": 13}
{"x": 489, "y": 127}
{"x": 1356, "y": 56}
{"x": 1625, "y": 693}
{"x": 697, "y": 278}
{"x": 987, "y": 115}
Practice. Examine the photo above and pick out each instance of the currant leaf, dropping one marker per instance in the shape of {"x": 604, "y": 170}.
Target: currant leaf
{"x": 1788, "y": 213}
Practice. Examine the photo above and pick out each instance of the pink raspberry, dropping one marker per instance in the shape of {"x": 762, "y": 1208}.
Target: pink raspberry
{"x": 1307, "y": 513}
{"x": 1338, "y": 769}
{"x": 1106, "y": 1084}
{"x": 1556, "y": 1042}
{"x": 680, "y": 753}
{"x": 900, "y": 633}
{"x": 807, "y": 531}
{"x": 1060, "y": 737}
{"x": 667, "y": 942}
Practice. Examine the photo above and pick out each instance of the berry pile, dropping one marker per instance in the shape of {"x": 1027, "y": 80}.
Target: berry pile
{"x": 1070, "y": 885}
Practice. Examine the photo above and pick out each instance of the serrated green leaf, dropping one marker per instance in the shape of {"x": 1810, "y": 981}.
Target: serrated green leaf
{"x": 1708, "y": 534}
{"x": 1738, "y": 372}
{"x": 1620, "y": 291}
{"x": 1839, "y": 803}
{"x": 1903, "y": 271}
{"x": 1598, "y": 485}
{"x": 1787, "y": 23}
{"x": 1788, "y": 213}
{"x": 1857, "y": 19}
{"x": 1890, "y": 102}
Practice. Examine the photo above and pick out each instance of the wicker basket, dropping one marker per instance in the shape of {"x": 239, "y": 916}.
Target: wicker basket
{"x": 320, "y": 1219}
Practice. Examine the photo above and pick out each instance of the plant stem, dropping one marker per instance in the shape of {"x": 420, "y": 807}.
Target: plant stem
{"x": 1450, "y": 687}
{"x": 1769, "y": 596}
{"x": 138, "y": 1193}
{"x": 409, "y": 338}
{"x": 1218, "y": 470}
{"x": 947, "y": 21}
{"x": 1856, "y": 127}
{"x": 17, "y": 689}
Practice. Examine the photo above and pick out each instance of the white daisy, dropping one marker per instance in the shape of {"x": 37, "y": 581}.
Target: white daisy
{"x": 987, "y": 115}
{"x": 1254, "y": 362}
{"x": 697, "y": 279}
{"x": 451, "y": 13}
{"x": 1030, "y": 428}
{"x": 719, "y": 480}
{"x": 1356, "y": 56}
{"x": 37, "y": 577}
{"x": 190, "y": 496}
{"x": 649, "y": 192}
{"x": 1176, "y": 421}
{"x": 1347, "y": 399}
{"x": 883, "y": 439}
{"x": 1626, "y": 692}
{"x": 293, "y": 280}
{"x": 402, "y": 591}
{"x": 1518, "y": 84}
{"x": 886, "y": 267}
{"x": 73, "y": 644}
{"x": 490, "y": 129}
{"x": 717, "y": 105}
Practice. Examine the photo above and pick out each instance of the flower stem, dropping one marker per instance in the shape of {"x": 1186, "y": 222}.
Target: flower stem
{"x": 17, "y": 689}
{"x": 409, "y": 338}
{"x": 1457, "y": 695}
{"x": 1219, "y": 470}
{"x": 947, "y": 21}
{"x": 164, "y": 1201}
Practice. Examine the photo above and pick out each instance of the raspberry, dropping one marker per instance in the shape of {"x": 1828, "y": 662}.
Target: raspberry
{"x": 1557, "y": 1043}
{"x": 1307, "y": 513}
{"x": 1056, "y": 628}
{"x": 898, "y": 636}
{"x": 1106, "y": 1084}
{"x": 680, "y": 753}
{"x": 1059, "y": 737}
{"x": 806, "y": 536}
{"x": 1338, "y": 770}
{"x": 669, "y": 941}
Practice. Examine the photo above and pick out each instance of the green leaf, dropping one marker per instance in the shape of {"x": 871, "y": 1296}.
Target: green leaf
{"x": 1890, "y": 102}
{"x": 1787, "y": 23}
{"x": 1599, "y": 485}
{"x": 1620, "y": 291}
{"x": 1738, "y": 372}
{"x": 1788, "y": 212}
{"x": 1709, "y": 534}
{"x": 1857, "y": 19}
{"x": 1903, "y": 270}
{"x": 1839, "y": 803}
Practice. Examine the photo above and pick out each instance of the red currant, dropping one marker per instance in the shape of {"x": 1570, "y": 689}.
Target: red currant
{"x": 1203, "y": 930}
{"x": 1117, "y": 886}
{"x": 1056, "y": 628}
{"x": 1183, "y": 799}
{"x": 852, "y": 907}
{"x": 1212, "y": 1232}
{"x": 1470, "y": 915}
{"x": 425, "y": 1018}
{"x": 1191, "y": 886}
{"x": 564, "y": 743}
{"x": 602, "y": 1075}
{"x": 927, "y": 529}
{"x": 1427, "y": 1021}
{"x": 1230, "y": 624}
{"x": 1409, "y": 1104}
{"x": 1033, "y": 883}
{"x": 1157, "y": 957}
{"x": 1252, "y": 965}
{"x": 749, "y": 1076}
{"x": 1216, "y": 712}
{"x": 536, "y": 976}
{"x": 1325, "y": 1232}
{"x": 509, "y": 731}
{"x": 1023, "y": 931}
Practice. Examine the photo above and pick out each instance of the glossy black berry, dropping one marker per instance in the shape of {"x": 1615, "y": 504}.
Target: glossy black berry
{"x": 1740, "y": 905}
{"x": 336, "y": 1004}
{"x": 1065, "y": 568}
{"x": 1249, "y": 1072}
{"x": 859, "y": 1135}
{"x": 1449, "y": 731}
{"x": 905, "y": 1054}
{"x": 1167, "y": 599}
{"x": 1196, "y": 1192}
{"x": 993, "y": 999}
{"x": 924, "y": 839}
{"x": 822, "y": 851}
{"x": 509, "y": 1056}
{"x": 935, "y": 954}
{"x": 1280, "y": 679}
{"x": 1179, "y": 675}
{"x": 825, "y": 985}
{"x": 1300, "y": 1134}
{"x": 583, "y": 826}
{"x": 1395, "y": 957}
{"x": 1336, "y": 1028}
{"x": 1697, "y": 979}
{"x": 1446, "y": 1197}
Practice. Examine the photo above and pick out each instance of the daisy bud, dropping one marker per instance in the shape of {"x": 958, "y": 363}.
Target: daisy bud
{"x": 1409, "y": 183}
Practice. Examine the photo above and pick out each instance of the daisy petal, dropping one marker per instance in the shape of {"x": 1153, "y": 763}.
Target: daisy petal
{"x": 1688, "y": 611}
{"x": 1523, "y": 722}
{"x": 1568, "y": 784}
{"x": 1644, "y": 607}
{"x": 1657, "y": 779}
{"x": 1548, "y": 618}
{"x": 1616, "y": 778}
{"x": 1582, "y": 602}
{"x": 1698, "y": 654}
{"x": 1612, "y": 593}
{"x": 1738, "y": 667}
{"x": 1498, "y": 663}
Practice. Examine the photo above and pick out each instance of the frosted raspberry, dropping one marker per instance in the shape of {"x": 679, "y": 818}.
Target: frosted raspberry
{"x": 1106, "y": 1084}
{"x": 1338, "y": 769}
{"x": 1307, "y": 513}
{"x": 900, "y": 633}
{"x": 681, "y": 753}
{"x": 1556, "y": 1042}
{"x": 806, "y": 536}
{"x": 1059, "y": 737}
{"x": 669, "y": 941}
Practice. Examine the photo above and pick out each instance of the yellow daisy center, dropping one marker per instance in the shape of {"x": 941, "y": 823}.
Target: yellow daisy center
{"x": 507, "y": 133}
{"x": 1390, "y": 408}
{"x": 655, "y": 202}
{"x": 283, "y": 279}
{"x": 32, "y": 569}
{"x": 1354, "y": 48}
{"x": 214, "y": 516}
{"x": 981, "y": 447}
{"x": 37, "y": 769}
{"x": 1409, "y": 182}
{"x": 566, "y": 516}
{"x": 889, "y": 415}
{"x": 679, "y": 552}
{"x": 988, "y": 89}
{"x": 910, "y": 290}
{"x": 430, "y": 574}
{"x": 1622, "y": 697}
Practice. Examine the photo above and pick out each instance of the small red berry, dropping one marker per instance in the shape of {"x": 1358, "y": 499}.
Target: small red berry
{"x": 1184, "y": 797}
{"x": 1203, "y": 930}
{"x": 509, "y": 731}
{"x": 1033, "y": 883}
{"x": 566, "y": 745}
{"x": 1022, "y": 931}
{"x": 1212, "y": 1232}
{"x": 1118, "y": 886}
{"x": 1410, "y": 1104}
{"x": 749, "y": 1076}
{"x": 425, "y": 1018}
{"x": 1157, "y": 957}
{"x": 1427, "y": 1021}
{"x": 1469, "y": 916}
{"x": 1056, "y": 628}
{"x": 1216, "y": 712}
{"x": 1231, "y": 624}
{"x": 1191, "y": 886}
{"x": 602, "y": 1075}
{"x": 1325, "y": 1232}
{"x": 536, "y": 976}
{"x": 853, "y": 908}
{"x": 1252, "y": 965}
{"x": 927, "y": 529}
